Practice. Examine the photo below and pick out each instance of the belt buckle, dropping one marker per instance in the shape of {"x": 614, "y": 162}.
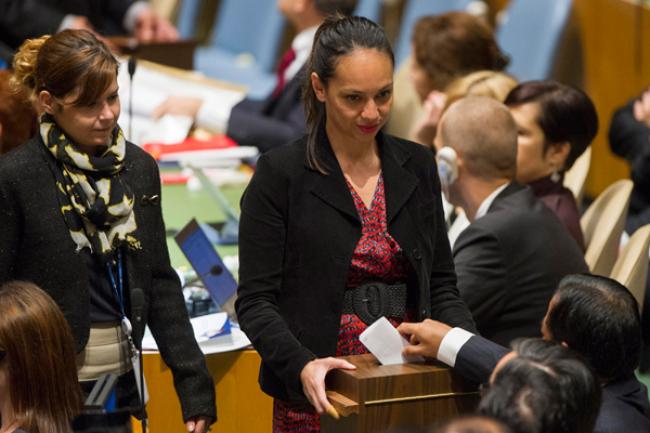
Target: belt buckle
{"x": 368, "y": 301}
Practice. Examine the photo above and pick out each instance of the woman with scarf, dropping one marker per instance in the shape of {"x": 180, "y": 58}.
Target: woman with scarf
{"x": 80, "y": 216}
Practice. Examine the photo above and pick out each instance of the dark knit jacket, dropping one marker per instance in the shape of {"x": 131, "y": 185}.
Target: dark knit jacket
{"x": 35, "y": 245}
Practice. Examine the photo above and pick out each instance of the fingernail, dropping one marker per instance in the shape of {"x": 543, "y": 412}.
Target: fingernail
{"x": 332, "y": 412}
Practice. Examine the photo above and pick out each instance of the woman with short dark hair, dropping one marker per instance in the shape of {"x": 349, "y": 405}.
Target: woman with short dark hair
{"x": 556, "y": 124}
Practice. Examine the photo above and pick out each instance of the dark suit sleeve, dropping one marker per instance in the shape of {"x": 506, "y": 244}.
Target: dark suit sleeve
{"x": 24, "y": 19}
{"x": 116, "y": 9}
{"x": 481, "y": 274}
{"x": 628, "y": 137}
{"x": 248, "y": 125}
{"x": 446, "y": 304}
{"x": 477, "y": 358}
{"x": 262, "y": 234}
{"x": 170, "y": 326}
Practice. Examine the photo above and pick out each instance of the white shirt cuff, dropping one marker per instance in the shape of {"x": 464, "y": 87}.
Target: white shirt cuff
{"x": 132, "y": 13}
{"x": 451, "y": 345}
{"x": 213, "y": 115}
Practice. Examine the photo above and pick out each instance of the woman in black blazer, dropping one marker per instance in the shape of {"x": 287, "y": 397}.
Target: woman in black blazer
{"x": 340, "y": 216}
{"x": 80, "y": 216}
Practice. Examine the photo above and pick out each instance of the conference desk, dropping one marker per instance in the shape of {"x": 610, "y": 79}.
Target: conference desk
{"x": 241, "y": 405}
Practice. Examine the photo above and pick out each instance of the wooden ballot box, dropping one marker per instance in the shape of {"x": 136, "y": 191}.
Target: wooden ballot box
{"x": 375, "y": 398}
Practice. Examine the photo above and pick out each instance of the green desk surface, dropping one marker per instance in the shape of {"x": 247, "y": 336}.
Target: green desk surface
{"x": 180, "y": 205}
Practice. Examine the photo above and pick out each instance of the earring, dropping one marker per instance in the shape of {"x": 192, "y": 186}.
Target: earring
{"x": 556, "y": 176}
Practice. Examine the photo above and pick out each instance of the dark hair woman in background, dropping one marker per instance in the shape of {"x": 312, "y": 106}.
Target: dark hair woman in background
{"x": 39, "y": 392}
{"x": 556, "y": 124}
{"x": 344, "y": 213}
{"x": 81, "y": 217}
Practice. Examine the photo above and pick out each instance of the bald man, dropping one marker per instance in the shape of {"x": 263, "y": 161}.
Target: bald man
{"x": 515, "y": 251}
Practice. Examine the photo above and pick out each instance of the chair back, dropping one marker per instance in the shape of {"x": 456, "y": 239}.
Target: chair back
{"x": 370, "y": 9}
{"x": 602, "y": 225}
{"x": 250, "y": 26}
{"x": 575, "y": 177}
{"x": 631, "y": 268}
{"x": 188, "y": 14}
{"x": 530, "y": 34}
{"x": 414, "y": 10}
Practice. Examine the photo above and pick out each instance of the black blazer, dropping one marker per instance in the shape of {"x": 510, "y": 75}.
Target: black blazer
{"x": 624, "y": 408}
{"x": 271, "y": 122}
{"x": 509, "y": 263}
{"x": 35, "y": 245}
{"x": 629, "y": 138}
{"x": 23, "y": 19}
{"x": 298, "y": 231}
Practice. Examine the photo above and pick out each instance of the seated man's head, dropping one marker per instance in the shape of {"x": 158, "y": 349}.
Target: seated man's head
{"x": 308, "y": 13}
{"x": 483, "y": 136}
{"x": 542, "y": 387}
{"x": 472, "y": 424}
{"x": 556, "y": 124}
{"x": 598, "y": 318}
{"x": 448, "y": 46}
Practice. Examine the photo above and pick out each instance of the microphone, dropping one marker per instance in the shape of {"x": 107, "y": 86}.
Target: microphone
{"x": 131, "y": 68}
{"x": 137, "y": 308}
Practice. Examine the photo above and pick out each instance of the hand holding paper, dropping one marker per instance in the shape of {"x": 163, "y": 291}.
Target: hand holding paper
{"x": 425, "y": 337}
{"x": 382, "y": 340}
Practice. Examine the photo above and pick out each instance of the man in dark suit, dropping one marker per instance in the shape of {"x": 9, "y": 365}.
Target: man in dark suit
{"x": 511, "y": 257}
{"x": 595, "y": 316}
{"x": 25, "y": 19}
{"x": 280, "y": 118}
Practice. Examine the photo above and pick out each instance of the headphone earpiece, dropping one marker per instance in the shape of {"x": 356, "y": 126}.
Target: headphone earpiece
{"x": 447, "y": 159}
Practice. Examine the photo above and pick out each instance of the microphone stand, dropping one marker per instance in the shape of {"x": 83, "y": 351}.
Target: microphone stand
{"x": 137, "y": 301}
{"x": 131, "y": 68}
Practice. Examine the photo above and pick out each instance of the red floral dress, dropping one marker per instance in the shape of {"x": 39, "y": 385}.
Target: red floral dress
{"x": 377, "y": 257}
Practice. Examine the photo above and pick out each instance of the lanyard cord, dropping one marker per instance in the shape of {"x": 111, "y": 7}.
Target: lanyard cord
{"x": 117, "y": 285}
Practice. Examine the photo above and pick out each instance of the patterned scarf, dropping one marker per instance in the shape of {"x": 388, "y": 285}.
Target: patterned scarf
{"x": 96, "y": 204}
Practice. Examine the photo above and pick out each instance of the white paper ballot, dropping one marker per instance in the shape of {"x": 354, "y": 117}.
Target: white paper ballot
{"x": 382, "y": 340}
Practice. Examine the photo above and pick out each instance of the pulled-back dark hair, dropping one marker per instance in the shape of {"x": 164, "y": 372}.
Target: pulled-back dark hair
{"x": 566, "y": 114}
{"x": 336, "y": 37}
{"x": 546, "y": 388}
{"x": 333, "y": 7}
{"x": 599, "y": 318}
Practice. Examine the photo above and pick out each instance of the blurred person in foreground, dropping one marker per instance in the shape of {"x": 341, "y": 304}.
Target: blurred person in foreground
{"x": 39, "y": 392}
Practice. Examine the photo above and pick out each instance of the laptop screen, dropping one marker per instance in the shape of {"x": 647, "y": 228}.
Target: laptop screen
{"x": 207, "y": 263}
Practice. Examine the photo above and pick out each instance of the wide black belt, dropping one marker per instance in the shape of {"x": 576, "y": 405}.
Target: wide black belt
{"x": 372, "y": 300}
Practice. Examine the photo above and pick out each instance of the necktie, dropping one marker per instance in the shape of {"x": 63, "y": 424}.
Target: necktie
{"x": 285, "y": 61}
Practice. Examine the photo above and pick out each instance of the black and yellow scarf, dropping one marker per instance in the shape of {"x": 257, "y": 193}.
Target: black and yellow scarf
{"x": 96, "y": 204}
